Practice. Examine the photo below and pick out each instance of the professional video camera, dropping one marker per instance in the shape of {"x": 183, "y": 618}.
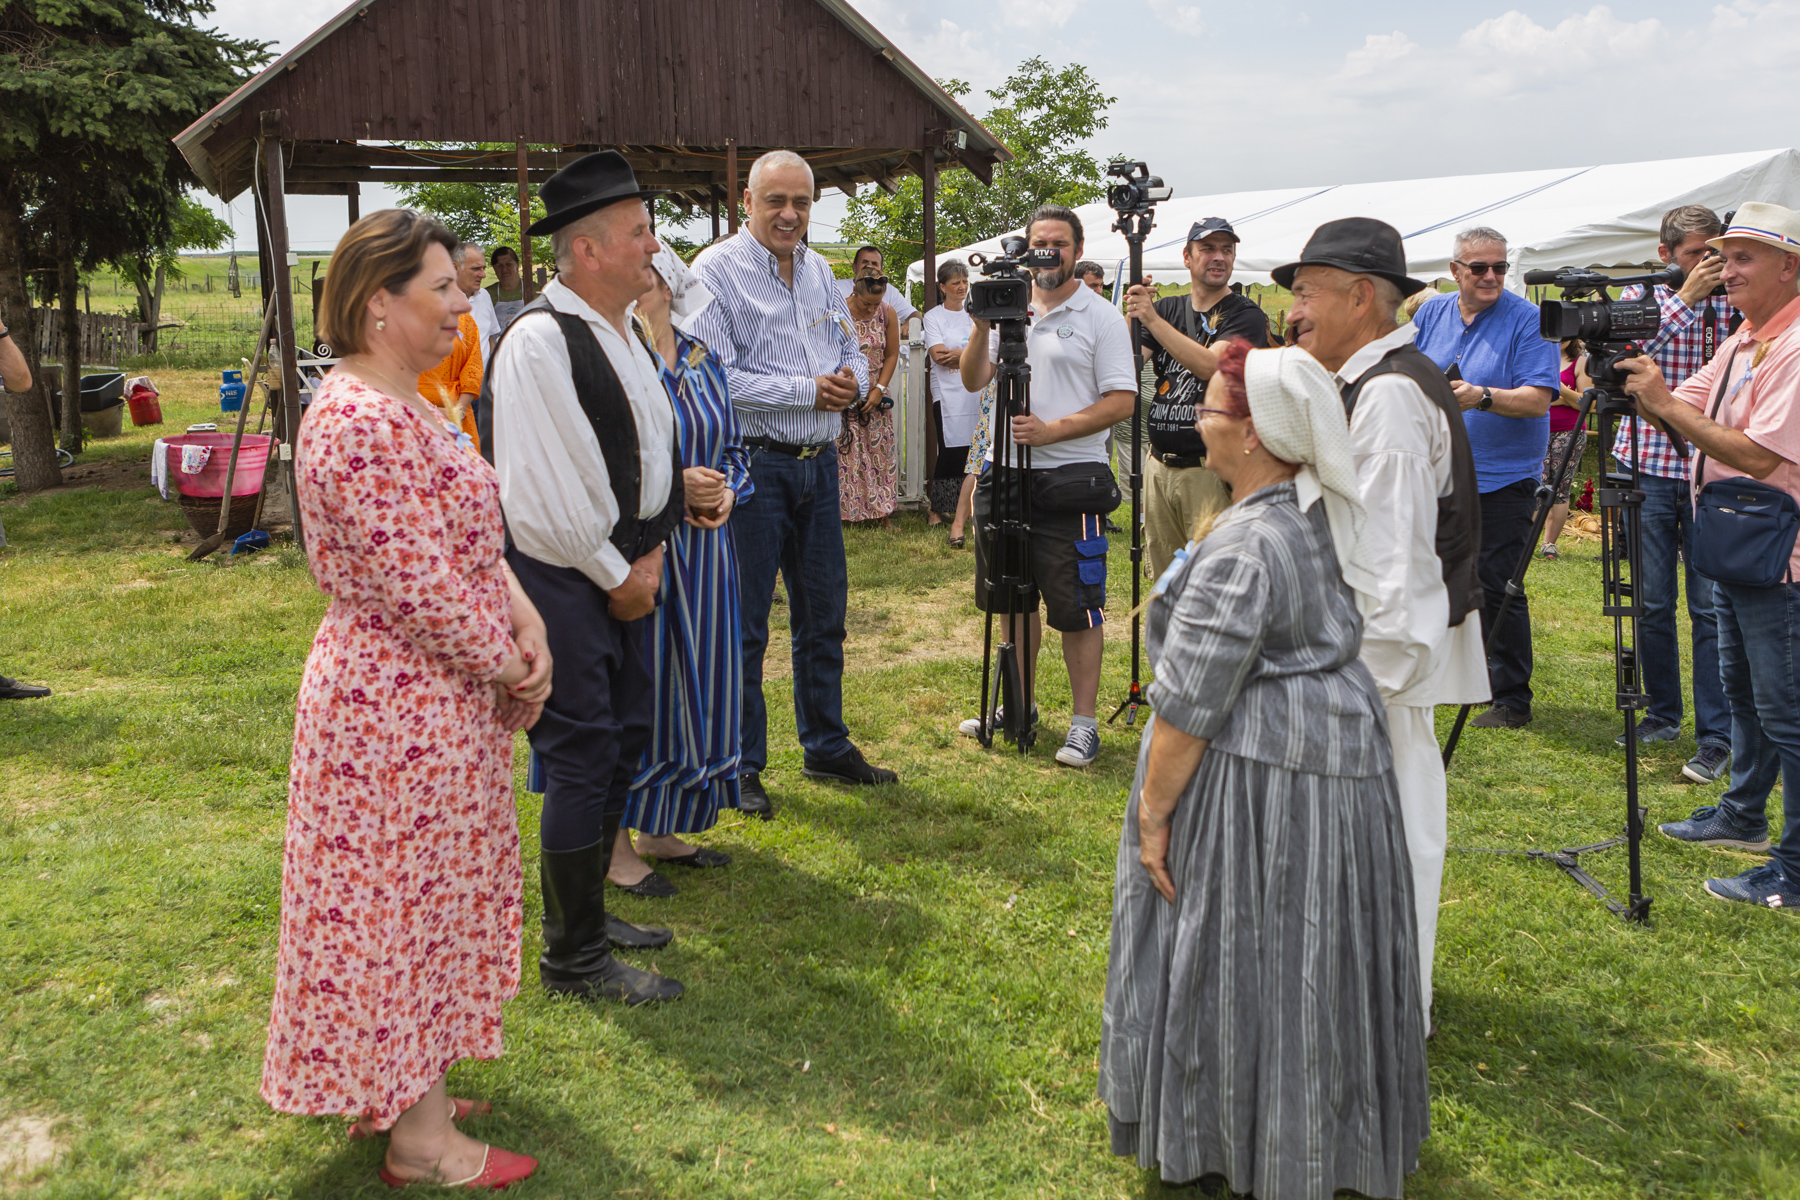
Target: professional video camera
{"x": 1005, "y": 295}
{"x": 1609, "y": 328}
{"x": 1137, "y": 189}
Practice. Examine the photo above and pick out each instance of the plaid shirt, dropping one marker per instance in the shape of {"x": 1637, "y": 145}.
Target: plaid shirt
{"x": 1678, "y": 349}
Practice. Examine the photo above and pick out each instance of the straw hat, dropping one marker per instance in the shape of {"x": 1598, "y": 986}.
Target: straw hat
{"x": 1768, "y": 223}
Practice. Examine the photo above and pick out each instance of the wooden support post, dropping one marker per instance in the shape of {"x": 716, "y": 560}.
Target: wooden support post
{"x": 275, "y": 205}
{"x": 731, "y": 185}
{"x": 928, "y": 178}
{"x": 715, "y": 214}
{"x": 355, "y": 203}
{"x": 524, "y": 223}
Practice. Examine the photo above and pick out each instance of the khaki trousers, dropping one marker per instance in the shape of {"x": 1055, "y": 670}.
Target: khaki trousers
{"x": 1175, "y": 498}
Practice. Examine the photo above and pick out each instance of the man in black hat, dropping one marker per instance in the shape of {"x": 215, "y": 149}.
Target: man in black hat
{"x": 1423, "y": 537}
{"x": 1178, "y": 333}
{"x": 583, "y": 437}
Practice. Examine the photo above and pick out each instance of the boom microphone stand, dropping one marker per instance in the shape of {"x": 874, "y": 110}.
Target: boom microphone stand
{"x": 1135, "y": 225}
{"x": 1006, "y": 678}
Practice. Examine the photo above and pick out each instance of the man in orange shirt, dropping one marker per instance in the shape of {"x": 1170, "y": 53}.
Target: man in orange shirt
{"x": 453, "y": 384}
{"x": 1742, "y": 411}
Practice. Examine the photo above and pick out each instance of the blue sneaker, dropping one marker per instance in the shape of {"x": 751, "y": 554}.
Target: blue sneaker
{"x": 1764, "y": 886}
{"x": 1652, "y": 731}
{"x": 1081, "y": 748}
{"x": 1707, "y": 826}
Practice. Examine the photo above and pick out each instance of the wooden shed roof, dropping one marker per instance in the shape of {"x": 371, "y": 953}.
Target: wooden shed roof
{"x": 668, "y": 82}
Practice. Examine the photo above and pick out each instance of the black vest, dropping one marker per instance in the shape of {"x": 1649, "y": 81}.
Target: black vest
{"x": 1459, "y": 513}
{"x": 608, "y": 409}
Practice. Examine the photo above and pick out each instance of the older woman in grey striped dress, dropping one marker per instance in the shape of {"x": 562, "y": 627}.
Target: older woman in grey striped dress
{"x": 1262, "y": 1018}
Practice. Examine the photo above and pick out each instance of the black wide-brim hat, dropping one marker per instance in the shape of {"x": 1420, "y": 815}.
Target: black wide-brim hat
{"x": 591, "y": 182}
{"x": 1360, "y": 245}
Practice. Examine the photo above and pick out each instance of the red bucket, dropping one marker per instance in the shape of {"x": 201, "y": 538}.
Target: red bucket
{"x": 209, "y": 480}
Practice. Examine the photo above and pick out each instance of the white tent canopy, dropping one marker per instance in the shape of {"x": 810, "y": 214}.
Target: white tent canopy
{"x": 1599, "y": 216}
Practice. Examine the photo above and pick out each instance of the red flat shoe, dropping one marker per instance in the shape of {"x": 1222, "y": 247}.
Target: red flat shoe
{"x": 499, "y": 1169}
{"x": 460, "y": 1110}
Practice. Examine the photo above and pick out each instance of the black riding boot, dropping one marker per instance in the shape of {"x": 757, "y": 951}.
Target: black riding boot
{"x": 577, "y": 958}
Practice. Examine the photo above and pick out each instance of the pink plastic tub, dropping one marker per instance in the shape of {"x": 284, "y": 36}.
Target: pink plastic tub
{"x": 209, "y": 481}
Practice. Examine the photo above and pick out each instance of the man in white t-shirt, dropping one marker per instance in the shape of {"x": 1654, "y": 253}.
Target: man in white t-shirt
{"x": 894, "y": 297}
{"x": 471, "y": 269}
{"x": 1083, "y": 379}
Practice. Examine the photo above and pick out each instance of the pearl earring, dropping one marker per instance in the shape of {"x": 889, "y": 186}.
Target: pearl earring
{"x": 381, "y": 325}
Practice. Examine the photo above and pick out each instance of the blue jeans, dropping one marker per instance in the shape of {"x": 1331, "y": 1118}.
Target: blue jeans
{"x": 1759, "y": 664}
{"x": 792, "y": 524}
{"x": 1668, "y": 522}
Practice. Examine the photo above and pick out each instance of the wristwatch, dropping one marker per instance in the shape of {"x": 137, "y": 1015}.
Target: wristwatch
{"x": 1487, "y": 399}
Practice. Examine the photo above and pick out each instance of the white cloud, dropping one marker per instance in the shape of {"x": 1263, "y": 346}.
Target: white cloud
{"x": 1378, "y": 53}
{"x": 1596, "y": 37}
{"x": 1034, "y": 14}
{"x": 1182, "y": 18}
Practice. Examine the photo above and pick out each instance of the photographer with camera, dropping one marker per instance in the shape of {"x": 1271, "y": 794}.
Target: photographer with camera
{"x": 1741, "y": 412}
{"x": 1083, "y": 380}
{"x": 1178, "y": 335}
{"x": 1695, "y": 318}
{"x": 1507, "y": 374}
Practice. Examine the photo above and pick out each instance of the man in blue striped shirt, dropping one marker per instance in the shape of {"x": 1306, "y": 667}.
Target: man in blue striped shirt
{"x": 781, "y": 332}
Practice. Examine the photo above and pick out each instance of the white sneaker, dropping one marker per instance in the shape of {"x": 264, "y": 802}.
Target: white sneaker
{"x": 971, "y": 727}
{"x": 1082, "y": 748}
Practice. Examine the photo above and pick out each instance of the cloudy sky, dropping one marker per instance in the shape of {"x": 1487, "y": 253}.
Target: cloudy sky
{"x": 1278, "y": 93}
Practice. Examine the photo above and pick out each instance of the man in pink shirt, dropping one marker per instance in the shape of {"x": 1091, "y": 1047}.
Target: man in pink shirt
{"x": 1754, "y": 381}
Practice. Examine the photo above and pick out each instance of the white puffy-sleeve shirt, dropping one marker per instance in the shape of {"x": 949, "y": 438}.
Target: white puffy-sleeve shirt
{"x": 554, "y": 485}
{"x": 1401, "y": 445}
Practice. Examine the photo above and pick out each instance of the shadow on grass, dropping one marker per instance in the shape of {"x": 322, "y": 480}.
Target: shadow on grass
{"x": 62, "y": 734}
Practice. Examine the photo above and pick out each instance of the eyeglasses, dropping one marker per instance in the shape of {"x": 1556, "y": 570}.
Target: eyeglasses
{"x": 1499, "y": 268}
{"x": 1201, "y": 411}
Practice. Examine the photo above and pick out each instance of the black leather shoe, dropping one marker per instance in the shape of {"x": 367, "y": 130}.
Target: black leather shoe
{"x": 849, "y": 767}
{"x": 1499, "y": 716}
{"x": 653, "y": 886}
{"x": 617, "y": 981}
{"x": 12, "y": 689}
{"x": 752, "y": 800}
{"x": 626, "y": 936}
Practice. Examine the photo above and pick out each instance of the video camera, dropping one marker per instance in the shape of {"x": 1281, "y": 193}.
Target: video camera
{"x": 1137, "y": 189}
{"x": 1610, "y": 328}
{"x": 1006, "y": 294}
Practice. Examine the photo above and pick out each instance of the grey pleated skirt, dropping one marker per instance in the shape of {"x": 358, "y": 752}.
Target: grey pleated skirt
{"x": 1266, "y": 1026}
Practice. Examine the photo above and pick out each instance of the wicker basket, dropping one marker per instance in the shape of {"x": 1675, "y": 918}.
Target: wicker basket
{"x": 202, "y": 513}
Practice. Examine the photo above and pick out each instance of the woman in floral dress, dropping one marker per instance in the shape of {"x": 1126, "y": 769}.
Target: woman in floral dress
{"x": 400, "y": 884}
{"x": 868, "y": 470}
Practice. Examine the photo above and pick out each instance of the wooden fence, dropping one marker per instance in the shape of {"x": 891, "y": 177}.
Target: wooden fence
{"x": 107, "y": 339}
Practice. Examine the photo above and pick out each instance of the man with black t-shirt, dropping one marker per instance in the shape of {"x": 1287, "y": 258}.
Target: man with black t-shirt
{"x": 1178, "y": 333}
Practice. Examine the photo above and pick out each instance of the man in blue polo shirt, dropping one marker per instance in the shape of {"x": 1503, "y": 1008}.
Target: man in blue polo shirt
{"x": 1509, "y": 375}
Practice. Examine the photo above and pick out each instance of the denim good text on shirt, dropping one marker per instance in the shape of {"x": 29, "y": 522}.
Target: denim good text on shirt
{"x": 1499, "y": 349}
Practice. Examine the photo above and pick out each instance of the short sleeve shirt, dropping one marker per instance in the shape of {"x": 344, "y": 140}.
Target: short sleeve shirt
{"x": 1500, "y": 348}
{"x": 1170, "y": 422}
{"x": 1761, "y": 372}
{"x": 1079, "y": 351}
{"x": 957, "y": 406}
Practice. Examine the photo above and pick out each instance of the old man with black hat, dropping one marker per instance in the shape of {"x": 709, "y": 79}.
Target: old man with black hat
{"x": 1421, "y": 628}
{"x": 583, "y": 437}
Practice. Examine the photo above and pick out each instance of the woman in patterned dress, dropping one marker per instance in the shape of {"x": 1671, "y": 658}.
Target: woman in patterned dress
{"x": 1263, "y": 1018}
{"x": 400, "y": 879}
{"x": 689, "y": 771}
{"x": 868, "y": 470}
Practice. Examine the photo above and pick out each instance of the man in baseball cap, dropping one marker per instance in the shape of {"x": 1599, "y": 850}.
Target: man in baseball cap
{"x": 1741, "y": 412}
{"x": 1422, "y": 640}
{"x": 1178, "y": 333}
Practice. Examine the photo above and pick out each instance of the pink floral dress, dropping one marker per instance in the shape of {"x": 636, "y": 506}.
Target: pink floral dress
{"x": 868, "y": 468}
{"x": 400, "y": 879}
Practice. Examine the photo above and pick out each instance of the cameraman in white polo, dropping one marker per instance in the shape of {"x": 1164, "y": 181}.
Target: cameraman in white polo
{"x": 1083, "y": 379}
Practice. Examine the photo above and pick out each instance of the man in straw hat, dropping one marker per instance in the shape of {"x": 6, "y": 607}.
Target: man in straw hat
{"x": 583, "y": 438}
{"x": 1741, "y": 413}
{"x": 1423, "y": 540}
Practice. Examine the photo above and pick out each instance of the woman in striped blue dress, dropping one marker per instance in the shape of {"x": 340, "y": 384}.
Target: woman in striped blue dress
{"x": 689, "y": 771}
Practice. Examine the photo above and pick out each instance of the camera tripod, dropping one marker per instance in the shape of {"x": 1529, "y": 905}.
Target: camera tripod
{"x": 1007, "y": 677}
{"x": 1621, "y": 532}
{"x": 1135, "y": 224}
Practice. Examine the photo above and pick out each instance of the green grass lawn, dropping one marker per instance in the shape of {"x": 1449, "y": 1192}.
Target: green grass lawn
{"x": 891, "y": 993}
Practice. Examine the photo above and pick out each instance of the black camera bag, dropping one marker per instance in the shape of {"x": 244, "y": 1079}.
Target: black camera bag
{"x": 1078, "y": 488}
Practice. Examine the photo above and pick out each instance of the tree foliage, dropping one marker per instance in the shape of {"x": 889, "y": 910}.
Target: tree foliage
{"x": 148, "y": 266}
{"x": 1040, "y": 113}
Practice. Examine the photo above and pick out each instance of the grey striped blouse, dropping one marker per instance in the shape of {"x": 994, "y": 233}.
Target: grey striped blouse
{"x": 1255, "y": 640}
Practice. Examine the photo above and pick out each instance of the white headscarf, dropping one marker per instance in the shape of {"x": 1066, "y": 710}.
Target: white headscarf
{"x": 689, "y": 295}
{"x": 1299, "y": 416}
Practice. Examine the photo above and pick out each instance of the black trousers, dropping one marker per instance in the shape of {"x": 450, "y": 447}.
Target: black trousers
{"x": 597, "y": 720}
{"x": 1506, "y": 520}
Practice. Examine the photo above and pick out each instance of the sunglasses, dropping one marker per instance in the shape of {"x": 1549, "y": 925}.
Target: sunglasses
{"x": 1499, "y": 268}
{"x": 873, "y": 280}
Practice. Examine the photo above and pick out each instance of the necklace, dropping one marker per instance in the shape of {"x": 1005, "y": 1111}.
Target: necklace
{"x": 376, "y": 379}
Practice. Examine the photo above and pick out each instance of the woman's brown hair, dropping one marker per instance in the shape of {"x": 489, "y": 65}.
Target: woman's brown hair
{"x": 385, "y": 249}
